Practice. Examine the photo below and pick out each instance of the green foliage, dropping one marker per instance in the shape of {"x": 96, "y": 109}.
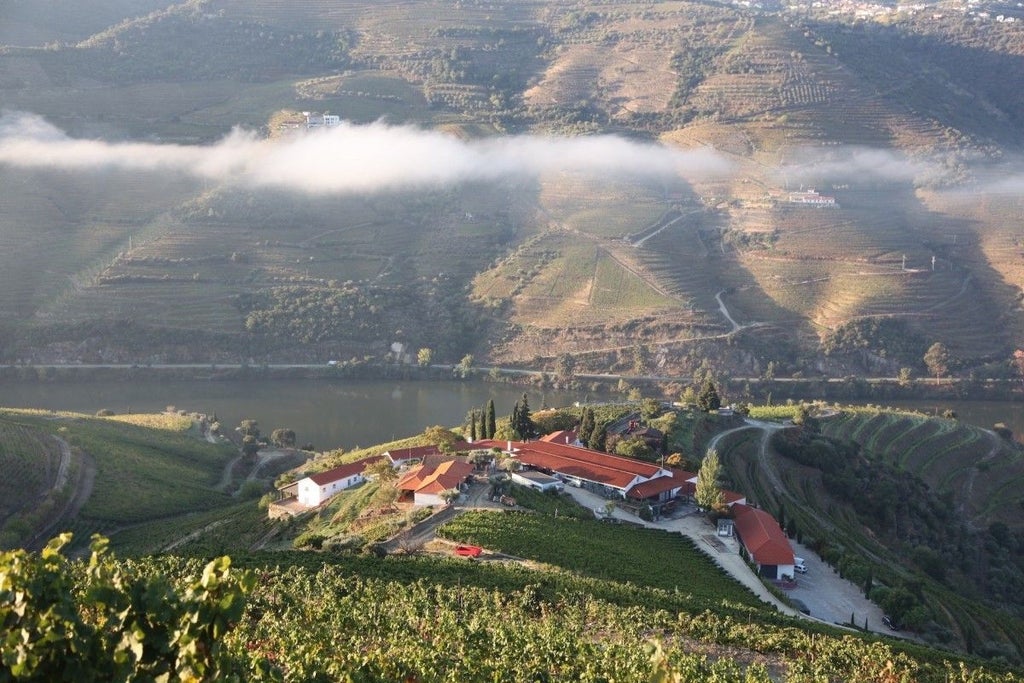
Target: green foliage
{"x": 887, "y": 337}
{"x": 548, "y": 503}
{"x": 708, "y": 491}
{"x": 105, "y": 620}
{"x": 937, "y": 360}
{"x": 283, "y": 438}
{"x": 490, "y": 425}
{"x": 313, "y": 314}
{"x": 521, "y": 421}
{"x": 604, "y": 551}
{"x": 166, "y": 472}
{"x": 707, "y": 396}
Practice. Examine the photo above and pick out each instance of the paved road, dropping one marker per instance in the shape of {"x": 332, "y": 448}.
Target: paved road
{"x": 725, "y": 552}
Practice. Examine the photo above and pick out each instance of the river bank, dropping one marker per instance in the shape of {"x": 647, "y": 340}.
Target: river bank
{"x": 753, "y": 389}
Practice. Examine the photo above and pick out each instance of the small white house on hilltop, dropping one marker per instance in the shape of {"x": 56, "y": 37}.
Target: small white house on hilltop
{"x": 316, "y": 488}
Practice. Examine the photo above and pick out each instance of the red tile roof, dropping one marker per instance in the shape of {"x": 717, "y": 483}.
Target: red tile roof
{"x": 574, "y": 461}
{"x": 655, "y": 487}
{"x": 762, "y": 536}
{"x": 566, "y": 436}
{"x": 342, "y": 472}
{"x": 732, "y": 497}
{"x": 430, "y": 478}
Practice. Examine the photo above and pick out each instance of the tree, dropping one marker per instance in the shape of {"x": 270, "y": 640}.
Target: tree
{"x": 708, "y": 398}
{"x": 440, "y": 436}
{"x": 1018, "y": 362}
{"x": 250, "y": 446}
{"x": 598, "y": 437}
{"x": 634, "y": 448}
{"x": 491, "y": 420}
{"x": 565, "y": 367}
{"x": 283, "y": 438}
{"x": 708, "y": 492}
{"x": 424, "y": 357}
{"x": 249, "y": 428}
{"x": 905, "y": 377}
{"x": 586, "y": 426}
{"x": 381, "y": 470}
{"x": 641, "y": 358}
{"x": 650, "y": 408}
{"x": 472, "y": 425}
{"x": 521, "y": 422}
{"x": 449, "y": 495}
{"x": 937, "y": 360}
{"x": 465, "y": 367}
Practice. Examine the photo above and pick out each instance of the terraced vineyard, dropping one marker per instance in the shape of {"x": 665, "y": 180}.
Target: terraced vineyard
{"x": 978, "y": 467}
{"x": 785, "y": 99}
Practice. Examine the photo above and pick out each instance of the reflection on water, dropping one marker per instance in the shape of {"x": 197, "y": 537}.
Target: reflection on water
{"x": 326, "y": 413}
{"x": 349, "y": 413}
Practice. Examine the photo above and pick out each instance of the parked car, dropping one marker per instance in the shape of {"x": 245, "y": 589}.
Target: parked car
{"x": 468, "y": 550}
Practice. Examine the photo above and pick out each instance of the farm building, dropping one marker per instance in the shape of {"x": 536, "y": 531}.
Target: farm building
{"x": 406, "y": 456}
{"x": 657, "y": 492}
{"x": 537, "y": 480}
{"x": 811, "y": 198}
{"x": 425, "y": 483}
{"x": 316, "y": 488}
{"x": 763, "y": 542}
{"x": 315, "y": 119}
{"x": 608, "y": 475}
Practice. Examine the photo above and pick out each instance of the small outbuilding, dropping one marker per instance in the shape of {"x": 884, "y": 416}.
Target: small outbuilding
{"x": 537, "y": 480}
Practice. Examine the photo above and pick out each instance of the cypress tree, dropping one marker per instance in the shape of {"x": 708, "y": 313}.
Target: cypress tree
{"x": 598, "y": 438}
{"x": 472, "y": 425}
{"x": 586, "y": 426}
{"x": 491, "y": 427}
{"x": 523, "y": 423}
{"x": 513, "y": 421}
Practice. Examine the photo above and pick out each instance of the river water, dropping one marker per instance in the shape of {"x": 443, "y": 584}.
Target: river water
{"x": 326, "y": 413}
{"x": 348, "y": 413}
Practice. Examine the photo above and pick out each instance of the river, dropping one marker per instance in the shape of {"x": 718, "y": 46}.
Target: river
{"x": 327, "y": 413}
{"x": 349, "y": 413}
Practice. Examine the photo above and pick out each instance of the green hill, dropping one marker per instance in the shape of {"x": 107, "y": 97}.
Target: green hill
{"x": 926, "y": 510}
{"x": 98, "y": 474}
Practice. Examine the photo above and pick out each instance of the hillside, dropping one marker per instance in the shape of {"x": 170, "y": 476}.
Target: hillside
{"x": 909, "y": 120}
{"x": 923, "y": 510}
{"x": 100, "y": 474}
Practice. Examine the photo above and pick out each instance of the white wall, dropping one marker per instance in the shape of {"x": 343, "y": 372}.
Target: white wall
{"x": 312, "y": 494}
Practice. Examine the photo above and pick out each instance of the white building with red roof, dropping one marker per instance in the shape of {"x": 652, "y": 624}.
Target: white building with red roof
{"x": 317, "y": 488}
{"x": 763, "y": 541}
{"x": 425, "y": 483}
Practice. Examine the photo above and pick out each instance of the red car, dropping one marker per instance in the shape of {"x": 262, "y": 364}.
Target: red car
{"x": 468, "y": 550}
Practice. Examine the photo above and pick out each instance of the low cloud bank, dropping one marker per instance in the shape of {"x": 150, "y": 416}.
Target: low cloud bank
{"x": 355, "y": 158}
